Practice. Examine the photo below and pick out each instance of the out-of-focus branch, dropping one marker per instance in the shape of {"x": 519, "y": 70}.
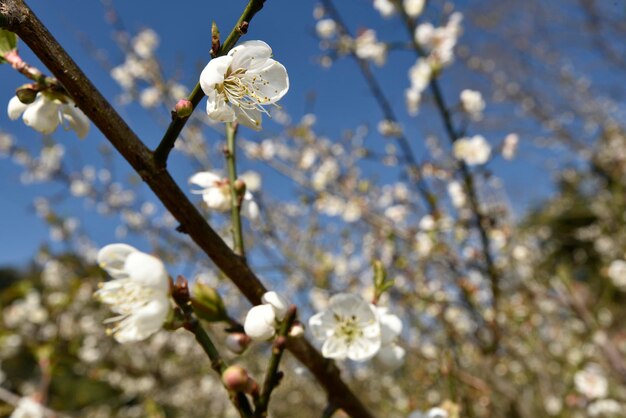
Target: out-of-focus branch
{"x": 19, "y": 18}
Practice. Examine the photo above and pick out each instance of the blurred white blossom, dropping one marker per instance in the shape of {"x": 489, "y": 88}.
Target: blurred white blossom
{"x": 473, "y": 151}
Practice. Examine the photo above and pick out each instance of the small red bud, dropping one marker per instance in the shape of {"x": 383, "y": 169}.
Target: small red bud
{"x": 236, "y": 378}
{"x": 183, "y": 108}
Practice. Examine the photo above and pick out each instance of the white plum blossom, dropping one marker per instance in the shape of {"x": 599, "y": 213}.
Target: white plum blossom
{"x": 472, "y": 103}
{"x": 440, "y": 42}
{"x": 591, "y": 382}
{"x": 239, "y": 85}
{"x": 617, "y": 273}
{"x": 385, "y": 7}
{"x": 139, "y": 293}
{"x": 326, "y": 28}
{"x": 414, "y": 8}
{"x": 260, "y": 323}
{"x": 145, "y": 43}
{"x": 509, "y": 147}
{"x": 27, "y": 407}
{"x": 420, "y": 75}
{"x": 390, "y": 354}
{"x": 349, "y": 328}
{"x": 367, "y": 47}
{"x": 45, "y": 114}
{"x": 605, "y": 408}
{"x": 473, "y": 151}
{"x": 216, "y": 194}
{"x": 457, "y": 194}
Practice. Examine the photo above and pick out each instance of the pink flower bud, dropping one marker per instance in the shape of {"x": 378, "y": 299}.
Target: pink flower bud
{"x": 236, "y": 378}
{"x": 183, "y": 108}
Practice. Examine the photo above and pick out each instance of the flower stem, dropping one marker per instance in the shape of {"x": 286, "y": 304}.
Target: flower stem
{"x": 236, "y": 196}
{"x": 182, "y": 298}
{"x": 272, "y": 377}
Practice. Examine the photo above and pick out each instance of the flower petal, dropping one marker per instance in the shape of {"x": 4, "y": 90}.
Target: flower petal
{"x": 15, "y": 108}
{"x": 277, "y": 302}
{"x": 274, "y": 81}
{"x": 213, "y": 74}
{"x": 205, "y": 179}
{"x": 112, "y": 259}
{"x": 252, "y": 118}
{"x": 218, "y": 109}
{"x": 42, "y": 115}
{"x": 147, "y": 270}
{"x": 76, "y": 119}
{"x": 144, "y": 322}
{"x": 250, "y": 55}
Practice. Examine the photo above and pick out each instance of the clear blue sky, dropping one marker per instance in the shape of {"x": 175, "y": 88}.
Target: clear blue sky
{"x": 342, "y": 99}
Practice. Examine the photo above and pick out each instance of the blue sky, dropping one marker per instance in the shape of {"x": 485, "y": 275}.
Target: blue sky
{"x": 341, "y": 97}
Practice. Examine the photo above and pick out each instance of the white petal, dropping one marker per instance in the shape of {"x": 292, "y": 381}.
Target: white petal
{"x": 15, "y": 108}
{"x": 205, "y": 179}
{"x": 276, "y": 301}
{"x": 259, "y": 324}
{"x": 250, "y": 209}
{"x": 390, "y": 326}
{"x": 112, "y": 258}
{"x": 251, "y": 118}
{"x": 391, "y": 356}
{"x": 213, "y": 74}
{"x": 42, "y": 115}
{"x": 322, "y": 325}
{"x": 335, "y": 348}
{"x": 363, "y": 349}
{"x": 218, "y": 109}
{"x": 216, "y": 199}
{"x": 76, "y": 119}
{"x": 147, "y": 270}
{"x": 144, "y": 322}
{"x": 250, "y": 54}
{"x": 276, "y": 81}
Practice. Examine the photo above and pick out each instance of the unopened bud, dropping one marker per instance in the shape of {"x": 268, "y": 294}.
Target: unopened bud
{"x": 240, "y": 187}
{"x": 237, "y": 342}
{"x": 27, "y": 94}
{"x": 207, "y": 303}
{"x": 180, "y": 292}
{"x": 183, "y": 108}
{"x": 236, "y": 378}
{"x": 215, "y": 39}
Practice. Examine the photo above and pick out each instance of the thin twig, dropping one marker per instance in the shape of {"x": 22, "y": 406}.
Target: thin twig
{"x": 236, "y": 195}
{"x": 272, "y": 376}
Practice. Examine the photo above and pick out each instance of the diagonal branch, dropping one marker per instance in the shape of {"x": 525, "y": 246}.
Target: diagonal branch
{"x": 19, "y": 18}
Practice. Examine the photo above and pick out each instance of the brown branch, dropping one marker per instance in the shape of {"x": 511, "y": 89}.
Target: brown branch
{"x": 17, "y": 17}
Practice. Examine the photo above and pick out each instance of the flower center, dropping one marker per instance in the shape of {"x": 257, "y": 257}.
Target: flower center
{"x": 348, "y": 328}
{"x": 244, "y": 90}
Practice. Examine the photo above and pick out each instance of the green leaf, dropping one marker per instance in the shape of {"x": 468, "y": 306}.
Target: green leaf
{"x": 8, "y": 42}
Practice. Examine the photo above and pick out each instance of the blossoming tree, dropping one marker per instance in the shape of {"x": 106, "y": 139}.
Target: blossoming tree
{"x": 362, "y": 281}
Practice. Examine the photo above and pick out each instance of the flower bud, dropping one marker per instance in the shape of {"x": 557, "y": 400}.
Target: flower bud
{"x": 260, "y": 322}
{"x": 183, "y": 108}
{"x": 236, "y": 378}
{"x": 237, "y": 342}
{"x": 207, "y": 303}
{"x": 278, "y": 303}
